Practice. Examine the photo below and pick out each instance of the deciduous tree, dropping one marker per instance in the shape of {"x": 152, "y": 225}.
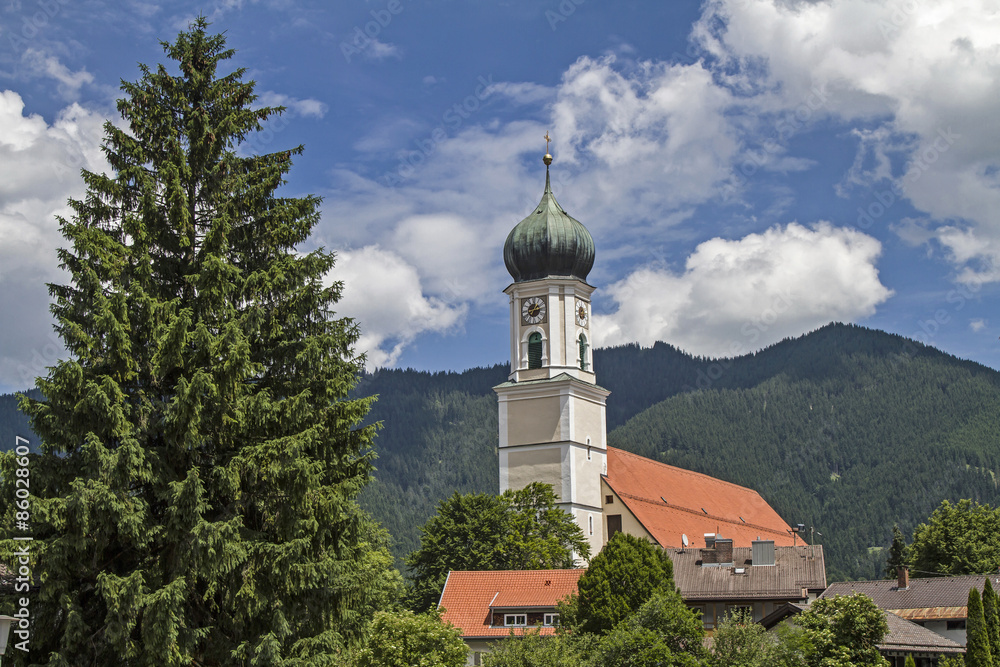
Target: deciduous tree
{"x": 961, "y": 538}
{"x": 518, "y": 530}
{"x": 194, "y": 503}
{"x": 844, "y": 630}
{"x": 415, "y": 640}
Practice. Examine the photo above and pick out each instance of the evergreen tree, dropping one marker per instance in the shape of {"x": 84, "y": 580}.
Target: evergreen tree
{"x": 991, "y": 614}
{"x": 898, "y": 554}
{"x": 910, "y": 662}
{"x": 977, "y": 641}
{"x": 194, "y": 503}
{"x": 628, "y": 572}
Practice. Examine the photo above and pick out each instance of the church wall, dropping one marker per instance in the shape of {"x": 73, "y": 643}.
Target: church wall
{"x": 538, "y": 420}
{"x": 630, "y": 524}
{"x": 588, "y": 422}
{"x": 535, "y": 465}
{"x": 587, "y": 475}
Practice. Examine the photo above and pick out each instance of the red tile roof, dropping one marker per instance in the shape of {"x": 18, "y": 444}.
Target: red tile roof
{"x": 670, "y": 501}
{"x": 469, "y": 597}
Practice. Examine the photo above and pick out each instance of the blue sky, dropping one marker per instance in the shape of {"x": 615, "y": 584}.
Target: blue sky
{"x": 749, "y": 169}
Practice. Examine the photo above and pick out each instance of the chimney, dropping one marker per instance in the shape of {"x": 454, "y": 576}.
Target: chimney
{"x": 724, "y": 550}
{"x": 902, "y": 577}
{"x": 709, "y": 540}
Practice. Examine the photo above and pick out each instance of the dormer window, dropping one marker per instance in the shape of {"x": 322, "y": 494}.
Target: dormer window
{"x": 551, "y": 619}
{"x": 517, "y": 620}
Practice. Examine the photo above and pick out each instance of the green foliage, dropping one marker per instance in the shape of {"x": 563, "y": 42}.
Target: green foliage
{"x": 518, "y": 530}
{"x": 195, "y": 499}
{"x": 951, "y": 661}
{"x": 739, "y": 642}
{"x": 533, "y": 650}
{"x": 910, "y": 662}
{"x": 405, "y": 639}
{"x": 844, "y": 630}
{"x": 627, "y": 573}
{"x": 991, "y": 615}
{"x": 898, "y": 554}
{"x": 662, "y": 633}
{"x": 961, "y": 538}
{"x": 977, "y": 640}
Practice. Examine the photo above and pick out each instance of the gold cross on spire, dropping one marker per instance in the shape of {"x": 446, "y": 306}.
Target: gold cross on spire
{"x": 547, "y": 140}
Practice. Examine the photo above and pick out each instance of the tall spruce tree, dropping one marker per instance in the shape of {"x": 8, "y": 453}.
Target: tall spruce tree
{"x": 977, "y": 641}
{"x": 194, "y": 503}
{"x": 991, "y": 615}
{"x": 899, "y": 553}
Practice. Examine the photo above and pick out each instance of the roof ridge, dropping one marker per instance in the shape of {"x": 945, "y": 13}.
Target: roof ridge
{"x": 690, "y": 511}
{"x": 686, "y": 471}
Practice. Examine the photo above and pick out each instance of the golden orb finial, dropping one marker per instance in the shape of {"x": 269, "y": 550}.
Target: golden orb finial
{"x": 547, "y": 159}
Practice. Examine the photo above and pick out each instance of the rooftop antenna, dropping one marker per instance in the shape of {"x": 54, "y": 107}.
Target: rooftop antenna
{"x": 684, "y": 542}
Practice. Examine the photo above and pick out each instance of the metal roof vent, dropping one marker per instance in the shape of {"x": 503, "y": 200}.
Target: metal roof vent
{"x": 762, "y": 552}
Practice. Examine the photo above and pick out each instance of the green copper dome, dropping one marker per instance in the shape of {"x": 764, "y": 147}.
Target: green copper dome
{"x": 548, "y": 243}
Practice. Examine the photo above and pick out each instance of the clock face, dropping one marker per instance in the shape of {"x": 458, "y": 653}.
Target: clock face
{"x": 533, "y": 310}
{"x": 581, "y": 313}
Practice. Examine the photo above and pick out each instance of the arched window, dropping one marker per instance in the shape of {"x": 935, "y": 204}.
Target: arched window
{"x": 535, "y": 350}
{"x": 590, "y": 524}
{"x": 583, "y": 352}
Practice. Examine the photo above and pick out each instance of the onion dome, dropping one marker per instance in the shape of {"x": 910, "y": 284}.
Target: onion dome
{"x": 548, "y": 242}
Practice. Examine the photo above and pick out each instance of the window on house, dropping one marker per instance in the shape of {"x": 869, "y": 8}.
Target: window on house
{"x": 535, "y": 350}
{"x": 583, "y": 352}
{"x": 515, "y": 619}
{"x": 956, "y": 625}
{"x": 590, "y": 523}
{"x": 609, "y": 500}
{"x": 477, "y": 658}
{"x": 551, "y": 619}
{"x": 614, "y": 524}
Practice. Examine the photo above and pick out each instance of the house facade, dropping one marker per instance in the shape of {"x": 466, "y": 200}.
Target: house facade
{"x": 935, "y": 603}
{"x": 720, "y": 579}
{"x": 489, "y": 605}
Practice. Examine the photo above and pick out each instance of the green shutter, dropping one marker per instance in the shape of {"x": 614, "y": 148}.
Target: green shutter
{"x": 535, "y": 350}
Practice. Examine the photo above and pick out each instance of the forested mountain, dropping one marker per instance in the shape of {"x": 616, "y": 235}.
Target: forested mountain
{"x": 846, "y": 429}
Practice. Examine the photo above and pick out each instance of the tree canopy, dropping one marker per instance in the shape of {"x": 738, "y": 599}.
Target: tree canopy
{"x": 627, "y": 573}
{"x": 844, "y": 630}
{"x": 415, "y": 640}
{"x": 194, "y": 501}
{"x": 959, "y": 538}
{"x": 517, "y": 530}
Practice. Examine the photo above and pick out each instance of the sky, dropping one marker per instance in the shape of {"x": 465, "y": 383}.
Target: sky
{"x": 750, "y": 170}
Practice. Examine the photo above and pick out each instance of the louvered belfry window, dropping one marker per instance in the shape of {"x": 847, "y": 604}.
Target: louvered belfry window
{"x": 535, "y": 350}
{"x": 583, "y": 352}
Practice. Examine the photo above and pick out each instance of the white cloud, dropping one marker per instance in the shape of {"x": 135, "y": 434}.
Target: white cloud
{"x": 926, "y": 70}
{"x": 39, "y": 170}
{"x": 378, "y": 50}
{"x": 46, "y": 65}
{"x": 977, "y": 325}
{"x": 306, "y": 107}
{"x": 737, "y": 296}
{"x": 384, "y": 295}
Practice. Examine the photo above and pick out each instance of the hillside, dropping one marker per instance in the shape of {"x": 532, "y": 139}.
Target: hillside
{"x": 845, "y": 429}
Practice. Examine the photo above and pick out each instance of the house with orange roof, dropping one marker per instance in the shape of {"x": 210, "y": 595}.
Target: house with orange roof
{"x": 489, "y": 605}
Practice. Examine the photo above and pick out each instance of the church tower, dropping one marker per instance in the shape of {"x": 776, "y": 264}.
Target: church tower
{"x": 552, "y": 412}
